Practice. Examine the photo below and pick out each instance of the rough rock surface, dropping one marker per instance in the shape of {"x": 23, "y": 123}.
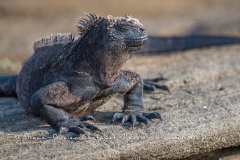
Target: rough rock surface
{"x": 202, "y": 114}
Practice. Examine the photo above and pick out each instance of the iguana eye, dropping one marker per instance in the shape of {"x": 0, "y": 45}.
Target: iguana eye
{"x": 123, "y": 29}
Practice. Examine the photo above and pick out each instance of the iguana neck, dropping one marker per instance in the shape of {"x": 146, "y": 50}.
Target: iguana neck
{"x": 108, "y": 63}
{"x": 103, "y": 61}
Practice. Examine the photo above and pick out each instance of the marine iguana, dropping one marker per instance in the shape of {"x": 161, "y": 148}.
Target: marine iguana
{"x": 67, "y": 78}
{"x": 47, "y": 48}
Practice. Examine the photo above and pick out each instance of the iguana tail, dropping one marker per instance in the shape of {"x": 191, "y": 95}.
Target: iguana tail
{"x": 179, "y": 43}
{"x": 8, "y": 85}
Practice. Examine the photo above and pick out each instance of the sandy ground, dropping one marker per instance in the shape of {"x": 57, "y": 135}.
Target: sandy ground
{"x": 201, "y": 114}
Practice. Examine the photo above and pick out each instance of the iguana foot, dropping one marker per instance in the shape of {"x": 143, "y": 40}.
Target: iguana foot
{"x": 133, "y": 117}
{"x": 151, "y": 85}
{"x": 76, "y": 125}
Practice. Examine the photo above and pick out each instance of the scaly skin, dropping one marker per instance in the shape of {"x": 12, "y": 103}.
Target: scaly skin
{"x": 62, "y": 81}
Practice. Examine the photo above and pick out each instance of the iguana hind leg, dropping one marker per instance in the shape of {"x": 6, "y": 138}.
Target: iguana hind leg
{"x": 50, "y": 102}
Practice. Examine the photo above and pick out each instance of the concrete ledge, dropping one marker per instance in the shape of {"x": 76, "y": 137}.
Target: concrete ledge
{"x": 202, "y": 114}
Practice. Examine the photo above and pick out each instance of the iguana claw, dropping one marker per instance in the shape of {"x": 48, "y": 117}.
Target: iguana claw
{"x": 86, "y": 117}
{"x": 76, "y": 125}
{"x": 134, "y": 117}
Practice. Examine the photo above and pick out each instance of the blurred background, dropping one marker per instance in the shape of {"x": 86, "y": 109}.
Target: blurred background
{"x": 24, "y": 21}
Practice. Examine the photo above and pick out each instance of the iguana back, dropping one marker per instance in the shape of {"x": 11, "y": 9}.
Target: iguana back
{"x": 44, "y": 66}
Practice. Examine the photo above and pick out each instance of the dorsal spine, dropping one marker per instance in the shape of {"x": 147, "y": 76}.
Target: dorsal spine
{"x": 59, "y": 38}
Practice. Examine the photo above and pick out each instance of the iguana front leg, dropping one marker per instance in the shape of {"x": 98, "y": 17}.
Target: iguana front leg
{"x": 133, "y": 101}
{"x": 50, "y": 102}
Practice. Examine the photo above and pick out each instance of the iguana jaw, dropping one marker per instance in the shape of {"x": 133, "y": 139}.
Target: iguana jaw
{"x": 137, "y": 42}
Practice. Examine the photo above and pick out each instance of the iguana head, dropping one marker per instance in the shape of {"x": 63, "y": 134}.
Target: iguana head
{"x": 126, "y": 32}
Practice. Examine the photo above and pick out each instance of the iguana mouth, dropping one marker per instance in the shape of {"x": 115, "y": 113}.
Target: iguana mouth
{"x": 136, "y": 42}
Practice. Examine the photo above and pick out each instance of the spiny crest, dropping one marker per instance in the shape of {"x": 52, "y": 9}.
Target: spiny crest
{"x": 59, "y": 38}
{"x": 86, "y": 24}
{"x": 132, "y": 20}
{"x": 122, "y": 20}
